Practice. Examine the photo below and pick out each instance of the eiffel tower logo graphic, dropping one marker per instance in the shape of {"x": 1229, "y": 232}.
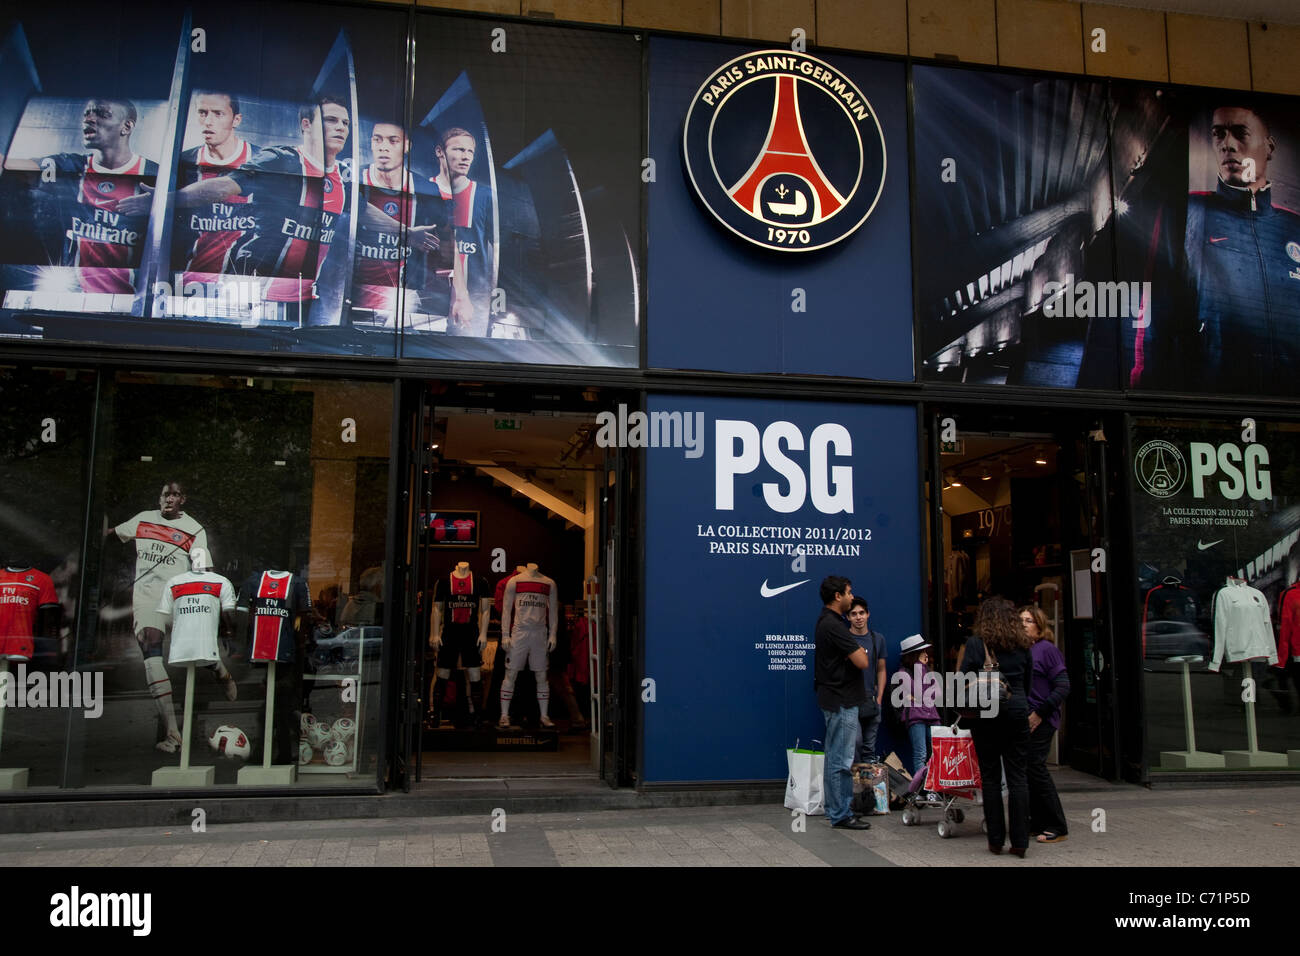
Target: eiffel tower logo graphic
{"x": 784, "y": 184}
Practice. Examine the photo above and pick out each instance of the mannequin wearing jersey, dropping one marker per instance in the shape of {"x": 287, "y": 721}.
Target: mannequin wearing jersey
{"x": 530, "y": 613}
{"x": 458, "y": 634}
{"x": 29, "y": 608}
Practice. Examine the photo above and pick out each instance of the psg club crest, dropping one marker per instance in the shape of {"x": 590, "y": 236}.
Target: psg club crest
{"x": 1160, "y": 469}
{"x": 390, "y": 208}
{"x": 784, "y": 150}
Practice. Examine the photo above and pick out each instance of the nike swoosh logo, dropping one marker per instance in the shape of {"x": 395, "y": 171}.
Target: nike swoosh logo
{"x": 1202, "y": 547}
{"x": 773, "y": 592}
{"x": 1218, "y": 238}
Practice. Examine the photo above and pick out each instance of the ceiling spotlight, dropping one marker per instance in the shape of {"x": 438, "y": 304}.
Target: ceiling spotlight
{"x": 956, "y": 481}
{"x": 1039, "y": 457}
{"x": 984, "y": 474}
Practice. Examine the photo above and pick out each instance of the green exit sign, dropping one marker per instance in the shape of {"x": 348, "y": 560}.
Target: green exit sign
{"x": 508, "y": 424}
{"x": 957, "y": 447}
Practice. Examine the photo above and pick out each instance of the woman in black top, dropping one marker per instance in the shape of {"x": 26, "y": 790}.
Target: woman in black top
{"x": 1003, "y": 741}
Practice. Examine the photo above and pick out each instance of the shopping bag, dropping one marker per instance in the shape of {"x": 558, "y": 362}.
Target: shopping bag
{"x": 803, "y": 786}
{"x": 870, "y": 789}
{"x": 953, "y": 765}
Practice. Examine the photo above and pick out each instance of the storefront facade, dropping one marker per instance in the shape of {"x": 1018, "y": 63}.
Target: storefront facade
{"x": 674, "y": 328}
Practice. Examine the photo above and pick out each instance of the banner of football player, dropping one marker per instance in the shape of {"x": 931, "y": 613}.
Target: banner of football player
{"x": 1207, "y": 187}
{"x": 778, "y": 212}
{"x": 1217, "y": 549}
{"x": 749, "y": 505}
{"x": 527, "y": 142}
{"x": 1014, "y": 188}
{"x": 244, "y": 179}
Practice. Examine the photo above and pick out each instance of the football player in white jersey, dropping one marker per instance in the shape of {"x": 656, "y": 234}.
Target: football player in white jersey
{"x": 164, "y": 541}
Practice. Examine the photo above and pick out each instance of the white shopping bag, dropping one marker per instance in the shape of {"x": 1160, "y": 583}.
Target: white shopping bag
{"x": 803, "y": 786}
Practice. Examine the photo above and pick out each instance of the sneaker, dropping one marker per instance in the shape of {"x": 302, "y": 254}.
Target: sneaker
{"x": 547, "y": 722}
{"x": 170, "y": 744}
{"x": 504, "y": 722}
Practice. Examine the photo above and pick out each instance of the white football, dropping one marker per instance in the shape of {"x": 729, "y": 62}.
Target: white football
{"x": 343, "y": 729}
{"x": 336, "y": 753}
{"x": 306, "y": 721}
{"x": 318, "y": 733}
{"x": 231, "y": 742}
{"x": 304, "y": 752}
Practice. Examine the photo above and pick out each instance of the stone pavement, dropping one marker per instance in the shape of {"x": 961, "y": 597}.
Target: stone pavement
{"x": 1194, "y": 828}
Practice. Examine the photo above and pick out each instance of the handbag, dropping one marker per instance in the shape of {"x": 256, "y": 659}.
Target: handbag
{"x": 803, "y": 785}
{"x": 987, "y": 685}
{"x": 990, "y": 672}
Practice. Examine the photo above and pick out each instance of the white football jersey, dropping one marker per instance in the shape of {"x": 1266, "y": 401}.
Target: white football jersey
{"x": 162, "y": 548}
{"x": 194, "y": 601}
{"x": 530, "y": 605}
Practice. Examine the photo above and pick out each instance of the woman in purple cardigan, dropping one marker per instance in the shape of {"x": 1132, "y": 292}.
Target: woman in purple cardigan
{"x": 1048, "y": 688}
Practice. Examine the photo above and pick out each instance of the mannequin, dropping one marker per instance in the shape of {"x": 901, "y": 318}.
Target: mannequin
{"x": 1243, "y": 632}
{"x": 29, "y": 607}
{"x": 529, "y": 620}
{"x": 458, "y": 633}
{"x": 275, "y": 608}
{"x": 198, "y": 602}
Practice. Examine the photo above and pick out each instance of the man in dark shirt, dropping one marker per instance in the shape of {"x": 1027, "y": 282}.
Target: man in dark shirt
{"x": 838, "y": 681}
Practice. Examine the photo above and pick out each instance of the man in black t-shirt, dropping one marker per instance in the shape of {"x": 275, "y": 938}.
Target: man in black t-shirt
{"x": 837, "y": 678}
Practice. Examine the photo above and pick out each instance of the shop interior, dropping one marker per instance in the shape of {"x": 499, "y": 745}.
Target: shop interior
{"x": 509, "y": 493}
{"x": 1002, "y": 530}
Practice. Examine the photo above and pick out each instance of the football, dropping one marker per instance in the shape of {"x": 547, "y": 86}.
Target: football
{"x": 343, "y": 729}
{"x": 305, "y": 753}
{"x": 336, "y": 753}
{"x": 318, "y": 733}
{"x": 231, "y": 742}
{"x": 306, "y": 721}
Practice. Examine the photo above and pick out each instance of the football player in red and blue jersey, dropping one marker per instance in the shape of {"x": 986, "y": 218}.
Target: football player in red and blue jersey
{"x": 472, "y": 216}
{"x": 209, "y": 233}
{"x": 104, "y": 242}
{"x": 382, "y": 251}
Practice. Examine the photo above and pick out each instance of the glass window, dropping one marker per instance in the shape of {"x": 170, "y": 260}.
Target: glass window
{"x": 237, "y": 531}
{"x": 1217, "y": 524}
{"x": 44, "y": 444}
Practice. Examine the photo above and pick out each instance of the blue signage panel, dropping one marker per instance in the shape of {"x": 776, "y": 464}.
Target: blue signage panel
{"x": 749, "y": 505}
{"x": 778, "y": 213}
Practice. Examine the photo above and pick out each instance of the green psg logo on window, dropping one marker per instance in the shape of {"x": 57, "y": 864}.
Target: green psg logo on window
{"x": 1160, "y": 469}
{"x": 784, "y": 151}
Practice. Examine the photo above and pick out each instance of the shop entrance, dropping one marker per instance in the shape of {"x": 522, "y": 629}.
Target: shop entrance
{"x": 1024, "y": 511}
{"x": 515, "y": 524}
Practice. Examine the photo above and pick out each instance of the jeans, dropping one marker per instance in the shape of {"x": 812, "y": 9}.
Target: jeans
{"x": 1002, "y": 743}
{"x": 837, "y": 781}
{"x": 919, "y": 734}
{"x": 868, "y": 728}
{"x": 1045, "y": 813}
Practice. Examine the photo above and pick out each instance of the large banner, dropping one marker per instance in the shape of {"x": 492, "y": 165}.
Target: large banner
{"x": 778, "y": 213}
{"x": 530, "y": 137}
{"x": 749, "y": 505}
{"x": 1207, "y": 191}
{"x": 243, "y": 176}
{"x": 1013, "y": 184}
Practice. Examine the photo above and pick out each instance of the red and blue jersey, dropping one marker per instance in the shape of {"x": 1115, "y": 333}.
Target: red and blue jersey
{"x": 380, "y": 252}
{"x": 104, "y": 245}
{"x": 209, "y": 232}
{"x": 274, "y": 599}
{"x": 472, "y": 215}
{"x": 297, "y": 204}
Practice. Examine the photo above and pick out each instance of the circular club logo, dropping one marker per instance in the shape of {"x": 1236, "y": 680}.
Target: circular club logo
{"x": 784, "y": 150}
{"x": 1293, "y": 250}
{"x": 1160, "y": 469}
{"x": 390, "y": 208}
{"x": 105, "y": 186}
